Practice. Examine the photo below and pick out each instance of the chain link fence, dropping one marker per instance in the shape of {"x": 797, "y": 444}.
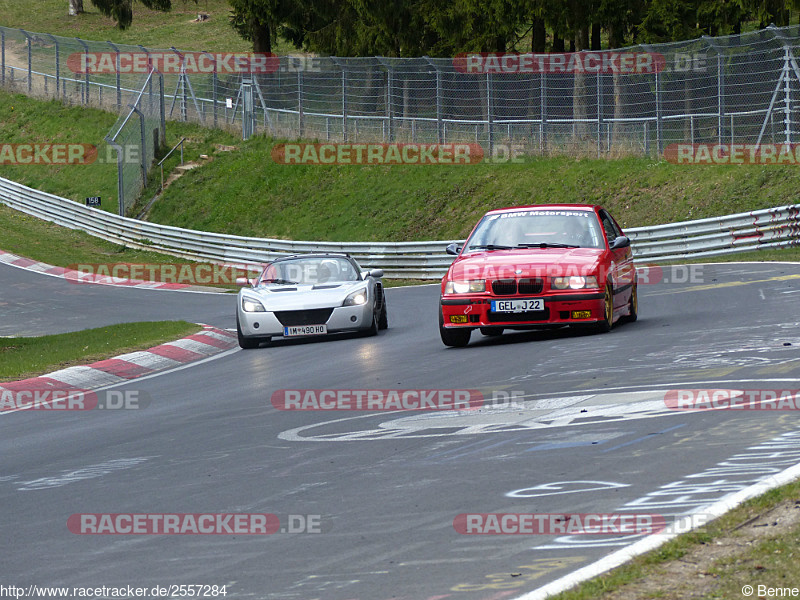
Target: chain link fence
{"x": 734, "y": 89}
{"x": 136, "y": 137}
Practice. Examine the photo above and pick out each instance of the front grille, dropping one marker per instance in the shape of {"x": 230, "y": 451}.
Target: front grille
{"x": 530, "y": 286}
{"x": 504, "y": 287}
{"x": 314, "y": 316}
{"x": 533, "y": 315}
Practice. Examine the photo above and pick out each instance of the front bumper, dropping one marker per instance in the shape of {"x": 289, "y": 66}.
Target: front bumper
{"x": 341, "y": 319}
{"x": 471, "y": 311}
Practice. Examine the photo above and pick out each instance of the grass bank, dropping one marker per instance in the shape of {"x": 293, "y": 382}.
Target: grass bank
{"x": 22, "y": 357}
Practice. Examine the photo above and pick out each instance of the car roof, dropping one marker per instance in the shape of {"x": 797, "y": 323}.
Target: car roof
{"x": 586, "y": 207}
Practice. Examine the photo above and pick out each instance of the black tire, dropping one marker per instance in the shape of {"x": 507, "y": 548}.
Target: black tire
{"x": 373, "y": 329}
{"x": 245, "y": 343}
{"x": 492, "y": 331}
{"x": 633, "y": 305}
{"x": 383, "y": 320}
{"x": 455, "y": 338}
{"x": 605, "y": 325}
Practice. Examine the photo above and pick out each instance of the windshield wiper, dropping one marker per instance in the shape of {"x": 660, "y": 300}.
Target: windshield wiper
{"x": 490, "y": 247}
{"x": 280, "y": 281}
{"x": 545, "y": 245}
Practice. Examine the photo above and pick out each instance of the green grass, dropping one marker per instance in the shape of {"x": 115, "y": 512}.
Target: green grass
{"x": 778, "y": 551}
{"x": 22, "y": 357}
{"x": 23, "y": 119}
{"x": 150, "y": 28}
{"x": 246, "y": 193}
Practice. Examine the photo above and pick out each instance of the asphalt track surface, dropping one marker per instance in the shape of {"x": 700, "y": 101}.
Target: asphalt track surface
{"x": 591, "y": 435}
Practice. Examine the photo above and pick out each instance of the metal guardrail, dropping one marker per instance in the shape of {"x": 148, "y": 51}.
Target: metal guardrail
{"x": 768, "y": 228}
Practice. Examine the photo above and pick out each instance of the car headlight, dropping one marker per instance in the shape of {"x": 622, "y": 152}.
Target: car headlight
{"x": 356, "y": 298}
{"x": 465, "y": 287}
{"x": 252, "y": 305}
{"x": 574, "y": 282}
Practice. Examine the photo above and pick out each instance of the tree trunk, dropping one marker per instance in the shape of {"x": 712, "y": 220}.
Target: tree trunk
{"x": 596, "y": 36}
{"x": 75, "y": 7}
{"x": 539, "y": 36}
{"x": 262, "y": 40}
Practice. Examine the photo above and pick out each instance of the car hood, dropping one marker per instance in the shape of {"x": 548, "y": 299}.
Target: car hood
{"x": 299, "y": 297}
{"x": 528, "y": 262}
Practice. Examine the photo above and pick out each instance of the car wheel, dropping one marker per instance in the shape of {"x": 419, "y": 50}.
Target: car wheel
{"x": 246, "y": 343}
{"x": 456, "y": 338}
{"x": 383, "y": 321}
{"x": 633, "y": 305}
{"x": 608, "y": 310}
{"x": 373, "y": 329}
{"x": 492, "y": 331}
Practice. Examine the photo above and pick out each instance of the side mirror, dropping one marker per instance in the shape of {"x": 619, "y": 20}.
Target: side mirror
{"x": 453, "y": 249}
{"x": 376, "y": 273}
{"x": 622, "y": 241}
{"x": 242, "y": 281}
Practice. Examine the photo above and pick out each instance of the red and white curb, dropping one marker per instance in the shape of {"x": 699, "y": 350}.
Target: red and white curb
{"x": 203, "y": 344}
{"x": 71, "y": 275}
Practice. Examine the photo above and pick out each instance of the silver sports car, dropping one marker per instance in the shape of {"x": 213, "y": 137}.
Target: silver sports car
{"x": 308, "y": 295}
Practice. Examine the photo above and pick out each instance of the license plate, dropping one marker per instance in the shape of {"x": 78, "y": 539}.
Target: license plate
{"x": 458, "y": 318}
{"x": 513, "y": 306}
{"x": 297, "y": 330}
{"x": 581, "y": 314}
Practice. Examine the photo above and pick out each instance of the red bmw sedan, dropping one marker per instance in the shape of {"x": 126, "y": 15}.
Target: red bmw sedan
{"x": 530, "y": 267}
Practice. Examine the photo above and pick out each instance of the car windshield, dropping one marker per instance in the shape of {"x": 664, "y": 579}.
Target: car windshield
{"x": 311, "y": 270}
{"x": 537, "y": 229}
